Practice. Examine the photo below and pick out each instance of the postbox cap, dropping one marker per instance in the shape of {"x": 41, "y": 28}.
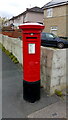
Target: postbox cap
{"x": 31, "y": 26}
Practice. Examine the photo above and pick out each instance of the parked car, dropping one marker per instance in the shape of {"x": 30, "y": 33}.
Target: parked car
{"x": 52, "y": 40}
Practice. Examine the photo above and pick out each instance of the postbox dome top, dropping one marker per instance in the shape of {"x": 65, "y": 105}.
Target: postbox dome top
{"x": 31, "y": 26}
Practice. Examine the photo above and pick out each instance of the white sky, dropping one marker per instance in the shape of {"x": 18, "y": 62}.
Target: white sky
{"x": 9, "y": 8}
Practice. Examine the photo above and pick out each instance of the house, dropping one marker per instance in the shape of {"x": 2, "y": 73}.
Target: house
{"x": 56, "y": 17}
{"x": 34, "y": 14}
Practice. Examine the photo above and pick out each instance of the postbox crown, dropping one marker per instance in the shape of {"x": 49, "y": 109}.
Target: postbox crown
{"x": 29, "y": 26}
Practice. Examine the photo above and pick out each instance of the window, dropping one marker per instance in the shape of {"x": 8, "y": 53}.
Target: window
{"x": 49, "y": 35}
{"x": 43, "y": 36}
{"x": 49, "y": 12}
{"x": 54, "y": 30}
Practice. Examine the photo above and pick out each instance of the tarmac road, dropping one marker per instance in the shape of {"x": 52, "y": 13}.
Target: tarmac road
{"x": 13, "y": 105}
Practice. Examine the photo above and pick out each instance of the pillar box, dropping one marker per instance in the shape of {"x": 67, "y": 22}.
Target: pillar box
{"x": 31, "y": 60}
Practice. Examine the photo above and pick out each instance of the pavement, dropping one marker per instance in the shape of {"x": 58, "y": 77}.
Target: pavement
{"x": 56, "y": 110}
{"x": 13, "y": 104}
{"x": 0, "y": 84}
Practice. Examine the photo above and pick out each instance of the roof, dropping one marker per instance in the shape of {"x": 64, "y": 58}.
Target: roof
{"x": 34, "y": 9}
{"x": 54, "y": 3}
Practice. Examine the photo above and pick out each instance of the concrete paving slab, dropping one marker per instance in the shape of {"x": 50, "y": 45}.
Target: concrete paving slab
{"x": 13, "y": 105}
{"x": 56, "y": 110}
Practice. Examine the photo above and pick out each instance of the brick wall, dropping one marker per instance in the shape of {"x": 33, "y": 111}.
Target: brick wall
{"x": 60, "y": 22}
{"x": 58, "y": 19}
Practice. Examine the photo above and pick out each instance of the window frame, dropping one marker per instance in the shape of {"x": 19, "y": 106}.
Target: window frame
{"x": 49, "y": 12}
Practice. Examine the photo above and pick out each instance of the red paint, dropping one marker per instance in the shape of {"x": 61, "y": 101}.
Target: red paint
{"x": 31, "y": 62}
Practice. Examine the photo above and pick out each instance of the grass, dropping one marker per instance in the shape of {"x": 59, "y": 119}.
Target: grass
{"x": 11, "y": 56}
{"x": 14, "y": 59}
{"x": 58, "y": 93}
{"x": 0, "y": 46}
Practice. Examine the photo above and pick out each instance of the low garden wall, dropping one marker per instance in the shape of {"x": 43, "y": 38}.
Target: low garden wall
{"x": 53, "y": 69}
{"x": 14, "y": 45}
{"x": 53, "y": 63}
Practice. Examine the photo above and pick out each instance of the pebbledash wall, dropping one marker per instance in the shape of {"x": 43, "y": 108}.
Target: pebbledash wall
{"x": 53, "y": 69}
{"x": 53, "y": 63}
{"x": 14, "y": 45}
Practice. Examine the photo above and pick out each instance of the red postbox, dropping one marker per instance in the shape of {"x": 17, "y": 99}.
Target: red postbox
{"x": 31, "y": 60}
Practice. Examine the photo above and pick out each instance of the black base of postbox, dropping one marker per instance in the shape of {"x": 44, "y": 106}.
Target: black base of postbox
{"x": 31, "y": 91}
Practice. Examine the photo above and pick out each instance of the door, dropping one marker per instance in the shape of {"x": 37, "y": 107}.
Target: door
{"x": 43, "y": 39}
{"x": 51, "y": 39}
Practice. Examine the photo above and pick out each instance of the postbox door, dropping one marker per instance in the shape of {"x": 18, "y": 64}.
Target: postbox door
{"x": 31, "y": 51}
